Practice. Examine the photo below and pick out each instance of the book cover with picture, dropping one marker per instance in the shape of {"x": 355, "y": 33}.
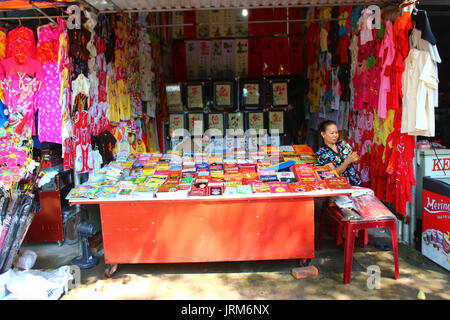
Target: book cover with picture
{"x": 302, "y": 149}
{"x": 167, "y": 188}
{"x": 279, "y": 187}
{"x": 269, "y": 149}
{"x": 318, "y": 186}
{"x": 125, "y": 192}
{"x": 338, "y": 183}
{"x": 243, "y": 189}
{"x": 229, "y": 191}
{"x": 305, "y": 172}
{"x": 260, "y": 187}
{"x": 143, "y": 191}
{"x": 324, "y": 172}
{"x": 172, "y": 181}
{"x": 287, "y": 176}
{"x": 286, "y": 149}
{"x": 215, "y": 190}
{"x": 299, "y": 186}
{"x": 83, "y": 191}
{"x": 107, "y": 192}
{"x": 198, "y": 192}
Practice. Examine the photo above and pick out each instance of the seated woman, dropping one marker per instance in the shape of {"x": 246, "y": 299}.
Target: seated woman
{"x": 337, "y": 152}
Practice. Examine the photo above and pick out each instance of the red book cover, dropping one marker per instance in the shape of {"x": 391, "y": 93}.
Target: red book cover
{"x": 338, "y": 183}
{"x": 173, "y": 174}
{"x": 279, "y": 187}
{"x": 197, "y": 192}
{"x": 318, "y": 186}
{"x": 300, "y": 186}
{"x": 305, "y": 172}
{"x": 172, "y": 181}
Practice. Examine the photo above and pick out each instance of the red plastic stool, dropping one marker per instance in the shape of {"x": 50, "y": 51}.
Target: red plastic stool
{"x": 350, "y": 228}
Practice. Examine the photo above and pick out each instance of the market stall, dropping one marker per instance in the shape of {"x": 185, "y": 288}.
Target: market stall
{"x": 236, "y": 99}
{"x": 169, "y": 208}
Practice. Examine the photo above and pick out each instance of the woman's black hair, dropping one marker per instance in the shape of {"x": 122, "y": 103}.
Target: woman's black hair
{"x": 324, "y": 124}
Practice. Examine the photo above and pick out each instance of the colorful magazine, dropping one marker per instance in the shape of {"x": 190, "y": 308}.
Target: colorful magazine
{"x": 338, "y": 183}
{"x": 299, "y": 186}
{"x": 324, "y": 172}
{"x": 86, "y": 191}
{"x": 260, "y": 187}
{"x": 243, "y": 189}
{"x": 107, "y": 192}
{"x": 279, "y": 187}
{"x": 318, "y": 186}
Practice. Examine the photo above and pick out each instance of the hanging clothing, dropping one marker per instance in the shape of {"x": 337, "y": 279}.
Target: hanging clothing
{"x": 20, "y": 44}
{"x": 417, "y": 42}
{"x": 422, "y": 23}
{"x": 20, "y": 83}
{"x": 418, "y": 81}
{"x": 386, "y": 56}
{"x": 48, "y": 99}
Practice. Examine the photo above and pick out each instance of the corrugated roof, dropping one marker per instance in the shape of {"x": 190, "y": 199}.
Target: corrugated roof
{"x": 174, "y": 5}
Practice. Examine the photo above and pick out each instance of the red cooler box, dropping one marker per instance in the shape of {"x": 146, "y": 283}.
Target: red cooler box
{"x": 436, "y": 220}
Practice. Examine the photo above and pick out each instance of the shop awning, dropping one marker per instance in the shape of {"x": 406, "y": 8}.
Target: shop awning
{"x": 25, "y": 4}
{"x": 175, "y": 5}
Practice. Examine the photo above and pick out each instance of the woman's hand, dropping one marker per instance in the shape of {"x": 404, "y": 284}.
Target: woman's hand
{"x": 353, "y": 157}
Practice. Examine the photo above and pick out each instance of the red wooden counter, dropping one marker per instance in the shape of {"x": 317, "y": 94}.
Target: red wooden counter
{"x": 209, "y": 229}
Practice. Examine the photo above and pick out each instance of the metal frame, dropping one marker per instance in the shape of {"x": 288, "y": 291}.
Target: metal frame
{"x": 270, "y": 83}
{"x": 186, "y": 95}
{"x": 261, "y": 91}
{"x": 175, "y": 108}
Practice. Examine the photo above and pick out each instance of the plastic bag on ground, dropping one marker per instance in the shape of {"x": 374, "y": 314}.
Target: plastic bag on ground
{"x": 27, "y": 260}
{"x": 36, "y": 284}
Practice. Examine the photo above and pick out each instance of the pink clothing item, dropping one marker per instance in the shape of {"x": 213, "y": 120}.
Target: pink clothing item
{"x": 387, "y": 54}
{"x": 48, "y": 32}
{"x": 19, "y": 92}
{"x": 361, "y": 86}
{"x": 48, "y": 104}
{"x": 31, "y": 67}
{"x": 365, "y": 26}
{"x": 48, "y": 100}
